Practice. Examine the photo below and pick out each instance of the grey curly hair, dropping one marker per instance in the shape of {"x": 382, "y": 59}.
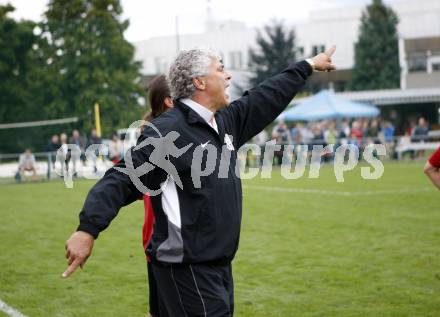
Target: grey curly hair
{"x": 188, "y": 65}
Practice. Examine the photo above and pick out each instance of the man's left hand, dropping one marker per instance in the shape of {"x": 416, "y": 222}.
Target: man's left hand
{"x": 323, "y": 61}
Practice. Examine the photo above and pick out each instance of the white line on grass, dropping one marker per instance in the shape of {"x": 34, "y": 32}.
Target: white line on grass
{"x": 339, "y": 193}
{"x": 9, "y": 310}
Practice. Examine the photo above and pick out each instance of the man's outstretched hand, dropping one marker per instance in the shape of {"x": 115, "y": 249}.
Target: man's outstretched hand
{"x": 78, "y": 249}
{"x": 323, "y": 61}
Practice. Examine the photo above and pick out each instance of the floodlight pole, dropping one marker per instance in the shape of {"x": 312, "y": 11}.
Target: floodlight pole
{"x": 97, "y": 120}
{"x": 177, "y": 35}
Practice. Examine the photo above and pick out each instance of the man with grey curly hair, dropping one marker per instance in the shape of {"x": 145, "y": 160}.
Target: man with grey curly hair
{"x": 188, "y": 65}
{"x": 197, "y": 214}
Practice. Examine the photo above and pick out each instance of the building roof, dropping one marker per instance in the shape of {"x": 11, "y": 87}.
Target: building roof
{"x": 390, "y": 96}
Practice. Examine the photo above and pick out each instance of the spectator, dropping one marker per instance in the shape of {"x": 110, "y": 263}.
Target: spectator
{"x": 79, "y": 141}
{"x": 295, "y": 134}
{"x": 344, "y": 132}
{"x": 27, "y": 163}
{"x": 345, "y": 129}
{"x": 115, "y": 149}
{"x": 356, "y": 133}
{"x": 66, "y": 152}
{"x": 305, "y": 134}
{"x": 260, "y": 139}
{"x": 282, "y": 136}
{"x": 403, "y": 143}
{"x": 80, "y": 144}
{"x": 281, "y": 133}
{"x": 318, "y": 136}
{"x": 365, "y": 126}
{"x": 53, "y": 146}
{"x": 51, "y": 150}
{"x": 409, "y": 130}
{"x": 373, "y": 131}
{"x": 330, "y": 134}
{"x": 94, "y": 139}
{"x": 420, "y": 134}
{"x": 318, "y": 139}
{"x": 388, "y": 132}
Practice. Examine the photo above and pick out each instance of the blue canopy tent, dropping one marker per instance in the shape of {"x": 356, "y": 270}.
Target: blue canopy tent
{"x": 326, "y": 105}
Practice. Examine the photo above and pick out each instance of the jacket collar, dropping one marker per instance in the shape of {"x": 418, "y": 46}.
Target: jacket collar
{"x": 202, "y": 111}
{"x": 193, "y": 117}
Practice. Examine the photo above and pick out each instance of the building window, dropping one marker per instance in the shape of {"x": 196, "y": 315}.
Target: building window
{"x": 158, "y": 64}
{"x": 239, "y": 57}
{"x": 417, "y": 62}
{"x": 235, "y": 60}
{"x": 300, "y": 52}
{"x": 316, "y": 49}
{"x": 161, "y": 65}
{"x": 436, "y": 67}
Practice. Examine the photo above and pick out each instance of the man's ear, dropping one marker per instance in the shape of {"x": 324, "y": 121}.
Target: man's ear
{"x": 168, "y": 102}
{"x": 199, "y": 83}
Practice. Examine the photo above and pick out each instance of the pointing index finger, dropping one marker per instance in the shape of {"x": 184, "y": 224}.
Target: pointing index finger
{"x": 329, "y": 52}
{"x": 72, "y": 267}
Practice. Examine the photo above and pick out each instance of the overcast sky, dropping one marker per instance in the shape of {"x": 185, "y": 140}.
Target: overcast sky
{"x": 150, "y": 18}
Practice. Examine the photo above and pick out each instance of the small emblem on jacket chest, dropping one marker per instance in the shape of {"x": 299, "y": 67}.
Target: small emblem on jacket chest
{"x": 228, "y": 142}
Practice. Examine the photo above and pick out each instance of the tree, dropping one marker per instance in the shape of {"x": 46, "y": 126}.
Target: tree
{"x": 16, "y": 41}
{"x": 276, "y": 48}
{"x": 19, "y": 83}
{"x": 376, "y": 52}
{"x": 93, "y": 62}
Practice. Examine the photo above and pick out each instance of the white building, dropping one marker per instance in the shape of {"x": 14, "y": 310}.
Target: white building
{"x": 419, "y": 38}
{"x": 231, "y": 39}
{"x": 419, "y": 44}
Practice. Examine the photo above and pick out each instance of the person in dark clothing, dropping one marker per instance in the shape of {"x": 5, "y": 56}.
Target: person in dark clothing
{"x": 80, "y": 142}
{"x": 53, "y": 147}
{"x": 281, "y": 135}
{"x": 51, "y": 150}
{"x": 198, "y": 214}
{"x": 420, "y": 134}
{"x": 54, "y": 144}
{"x": 94, "y": 139}
{"x": 159, "y": 94}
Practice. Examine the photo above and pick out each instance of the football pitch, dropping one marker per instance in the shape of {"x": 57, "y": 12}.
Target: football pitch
{"x": 309, "y": 247}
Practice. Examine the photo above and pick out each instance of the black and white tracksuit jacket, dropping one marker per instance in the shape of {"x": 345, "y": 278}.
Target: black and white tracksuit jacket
{"x": 196, "y": 222}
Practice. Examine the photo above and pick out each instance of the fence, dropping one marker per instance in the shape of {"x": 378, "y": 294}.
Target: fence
{"x": 48, "y": 167}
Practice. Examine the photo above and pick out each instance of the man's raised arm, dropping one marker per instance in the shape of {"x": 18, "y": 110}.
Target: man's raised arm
{"x": 261, "y": 105}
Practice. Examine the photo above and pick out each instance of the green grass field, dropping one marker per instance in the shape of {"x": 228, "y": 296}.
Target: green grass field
{"x": 309, "y": 247}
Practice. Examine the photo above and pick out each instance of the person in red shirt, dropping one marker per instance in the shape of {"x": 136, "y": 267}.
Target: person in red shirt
{"x": 432, "y": 168}
{"x": 356, "y": 133}
{"x": 160, "y": 101}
